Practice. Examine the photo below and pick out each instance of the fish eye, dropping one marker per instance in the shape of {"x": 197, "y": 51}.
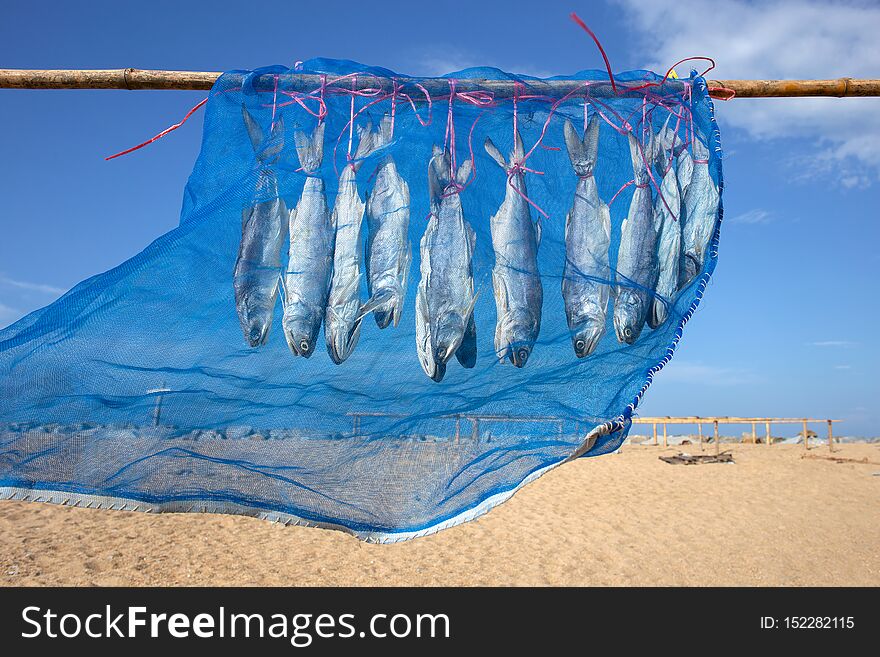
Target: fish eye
{"x": 304, "y": 345}
{"x": 523, "y": 353}
{"x": 580, "y": 345}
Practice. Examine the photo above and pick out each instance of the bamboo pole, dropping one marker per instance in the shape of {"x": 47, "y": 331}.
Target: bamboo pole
{"x": 830, "y": 436}
{"x": 754, "y": 434}
{"x": 700, "y": 431}
{"x": 655, "y": 433}
{"x": 665, "y": 444}
{"x": 132, "y": 78}
{"x": 717, "y": 447}
{"x": 806, "y": 437}
{"x": 769, "y": 437}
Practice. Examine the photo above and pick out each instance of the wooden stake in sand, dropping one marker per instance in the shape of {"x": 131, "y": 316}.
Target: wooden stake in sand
{"x": 717, "y": 448}
{"x": 830, "y": 436}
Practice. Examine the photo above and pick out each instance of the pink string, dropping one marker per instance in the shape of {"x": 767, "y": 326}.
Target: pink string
{"x": 583, "y": 25}
{"x": 351, "y": 122}
{"x": 160, "y": 135}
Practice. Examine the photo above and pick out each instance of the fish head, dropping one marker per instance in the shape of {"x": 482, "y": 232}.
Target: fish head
{"x": 255, "y": 312}
{"x": 383, "y": 317}
{"x": 629, "y": 315}
{"x": 446, "y": 336}
{"x": 586, "y": 334}
{"x": 337, "y": 339}
{"x": 691, "y": 266}
{"x": 301, "y": 334}
{"x": 520, "y": 330}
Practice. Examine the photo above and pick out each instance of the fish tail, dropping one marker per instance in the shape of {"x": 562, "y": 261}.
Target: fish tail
{"x": 640, "y": 158}
{"x": 382, "y": 136}
{"x": 266, "y": 152}
{"x": 438, "y": 177}
{"x": 310, "y": 150}
{"x": 583, "y": 152}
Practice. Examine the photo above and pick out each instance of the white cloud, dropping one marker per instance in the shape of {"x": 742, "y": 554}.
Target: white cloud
{"x": 31, "y": 287}
{"x": 832, "y": 343}
{"x": 777, "y": 40}
{"x": 843, "y": 367}
{"x": 681, "y": 371}
{"x": 756, "y": 216}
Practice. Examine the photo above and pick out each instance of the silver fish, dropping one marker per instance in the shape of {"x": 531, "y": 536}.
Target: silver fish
{"x": 667, "y": 211}
{"x": 445, "y": 298}
{"x": 342, "y": 320}
{"x": 257, "y": 272}
{"x": 310, "y": 263}
{"x": 587, "y": 238}
{"x": 700, "y": 212}
{"x": 515, "y": 277}
{"x": 389, "y": 252}
{"x": 684, "y": 169}
{"x": 637, "y": 267}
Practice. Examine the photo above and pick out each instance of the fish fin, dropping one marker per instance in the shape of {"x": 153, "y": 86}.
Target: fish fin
{"x": 472, "y": 238}
{"x": 538, "y": 230}
{"x": 255, "y": 133}
{"x": 464, "y": 172}
{"x": 605, "y": 217}
{"x": 495, "y": 154}
{"x": 374, "y": 303}
{"x": 398, "y": 309}
{"x": 466, "y": 354}
{"x": 353, "y": 338}
{"x": 473, "y": 303}
{"x": 290, "y": 222}
{"x": 501, "y": 305}
{"x": 425, "y": 248}
{"x": 245, "y": 215}
{"x": 519, "y": 151}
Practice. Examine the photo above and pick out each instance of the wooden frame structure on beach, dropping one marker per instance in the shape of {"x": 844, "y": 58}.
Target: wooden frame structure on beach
{"x": 754, "y": 421}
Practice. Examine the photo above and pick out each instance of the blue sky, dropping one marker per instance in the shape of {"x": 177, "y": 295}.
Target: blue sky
{"x": 787, "y": 325}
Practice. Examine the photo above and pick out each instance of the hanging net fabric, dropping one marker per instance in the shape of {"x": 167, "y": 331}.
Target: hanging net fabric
{"x": 390, "y": 302}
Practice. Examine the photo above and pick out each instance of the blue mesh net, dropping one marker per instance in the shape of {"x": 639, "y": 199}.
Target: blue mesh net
{"x": 385, "y": 326}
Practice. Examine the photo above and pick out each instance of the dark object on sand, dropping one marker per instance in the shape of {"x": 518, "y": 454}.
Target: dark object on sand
{"x": 686, "y": 459}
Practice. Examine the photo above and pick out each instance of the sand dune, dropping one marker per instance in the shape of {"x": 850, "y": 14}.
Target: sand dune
{"x": 774, "y": 518}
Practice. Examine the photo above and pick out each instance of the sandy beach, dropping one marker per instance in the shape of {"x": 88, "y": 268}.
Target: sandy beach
{"x": 773, "y": 518}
